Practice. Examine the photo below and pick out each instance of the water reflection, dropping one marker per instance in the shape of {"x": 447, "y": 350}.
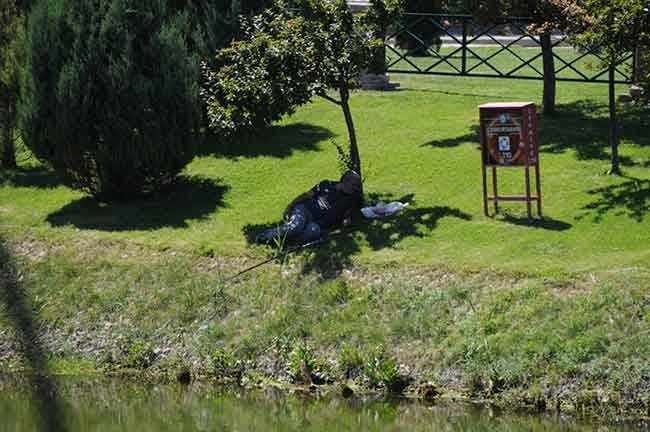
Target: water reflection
{"x": 104, "y": 405}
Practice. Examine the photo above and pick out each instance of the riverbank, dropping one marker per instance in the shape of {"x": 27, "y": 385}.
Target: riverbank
{"x": 577, "y": 344}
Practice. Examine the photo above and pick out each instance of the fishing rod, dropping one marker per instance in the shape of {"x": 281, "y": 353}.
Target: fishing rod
{"x": 279, "y": 255}
{"x": 220, "y": 291}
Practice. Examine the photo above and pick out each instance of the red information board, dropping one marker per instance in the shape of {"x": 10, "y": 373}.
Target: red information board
{"x": 509, "y": 138}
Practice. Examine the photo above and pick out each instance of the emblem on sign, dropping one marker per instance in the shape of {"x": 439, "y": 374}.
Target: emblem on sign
{"x": 505, "y": 141}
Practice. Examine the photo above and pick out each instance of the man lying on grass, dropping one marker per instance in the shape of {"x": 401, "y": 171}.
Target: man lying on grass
{"x": 324, "y": 206}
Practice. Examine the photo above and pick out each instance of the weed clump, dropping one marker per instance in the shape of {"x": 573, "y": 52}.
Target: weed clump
{"x": 305, "y": 367}
{"x": 223, "y": 364}
{"x": 140, "y": 355}
{"x": 382, "y": 371}
{"x": 350, "y": 361}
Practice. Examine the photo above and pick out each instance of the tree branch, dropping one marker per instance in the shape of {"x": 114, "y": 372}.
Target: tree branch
{"x": 329, "y": 98}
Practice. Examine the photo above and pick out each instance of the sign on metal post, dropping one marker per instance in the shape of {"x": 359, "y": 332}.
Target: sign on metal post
{"x": 509, "y": 138}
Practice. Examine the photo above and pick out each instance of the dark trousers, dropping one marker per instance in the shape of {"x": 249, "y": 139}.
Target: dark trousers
{"x": 300, "y": 226}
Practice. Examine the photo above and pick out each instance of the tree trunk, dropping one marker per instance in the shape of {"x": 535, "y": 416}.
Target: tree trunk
{"x": 549, "y": 74}
{"x": 354, "y": 149}
{"x": 639, "y": 63}
{"x": 8, "y": 151}
{"x": 7, "y": 147}
{"x": 613, "y": 124}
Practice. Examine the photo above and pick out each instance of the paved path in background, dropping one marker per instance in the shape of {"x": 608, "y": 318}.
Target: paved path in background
{"x": 482, "y": 41}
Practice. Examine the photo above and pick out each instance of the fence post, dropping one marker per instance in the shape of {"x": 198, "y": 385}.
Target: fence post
{"x": 464, "y": 48}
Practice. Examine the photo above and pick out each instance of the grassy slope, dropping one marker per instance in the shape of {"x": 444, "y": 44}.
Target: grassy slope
{"x": 418, "y": 141}
{"x": 113, "y": 283}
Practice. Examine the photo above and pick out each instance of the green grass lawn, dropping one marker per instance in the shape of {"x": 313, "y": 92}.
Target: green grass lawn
{"x": 420, "y": 142}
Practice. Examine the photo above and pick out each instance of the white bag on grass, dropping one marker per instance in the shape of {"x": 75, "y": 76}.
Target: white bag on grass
{"x": 382, "y": 209}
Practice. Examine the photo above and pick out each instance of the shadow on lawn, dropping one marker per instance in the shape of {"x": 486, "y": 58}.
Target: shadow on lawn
{"x": 30, "y": 177}
{"x": 544, "y": 223}
{"x": 275, "y": 141}
{"x": 330, "y": 258}
{"x": 22, "y": 314}
{"x": 451, "y": 93}
{"x": 473, "y": 137}
{"x": 583, "y": 126}
{"x": 189, "y": 198}
{"x": 630, "y": 198}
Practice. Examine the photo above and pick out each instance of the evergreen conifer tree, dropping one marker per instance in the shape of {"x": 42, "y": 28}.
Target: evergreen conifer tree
{"x": 111, "y": 92}
{"x": 11, "y": 42}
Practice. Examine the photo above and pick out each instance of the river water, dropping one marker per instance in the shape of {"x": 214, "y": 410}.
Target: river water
{"x": 113, "y": 405}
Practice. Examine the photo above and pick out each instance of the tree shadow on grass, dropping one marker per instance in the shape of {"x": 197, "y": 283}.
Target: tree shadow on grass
{"x": 328, "y": 259}
{"x": 452, "y": 93}
{"x": 583, "y": 126}
{"x": 473, "y": 137}
{"x": 279, "y": 141}
{"x": 630, "y": 198}
{"x": 30, "y": 177}
{"x": 21, "y": 313}
{"x": 189, "y": 198}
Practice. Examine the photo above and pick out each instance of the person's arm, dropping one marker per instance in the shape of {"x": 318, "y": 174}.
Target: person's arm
{"x": 347, "y": 218}
{"x": 299, "y": 199}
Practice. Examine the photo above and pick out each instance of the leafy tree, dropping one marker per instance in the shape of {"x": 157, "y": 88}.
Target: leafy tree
{"x": 343, "y": 46}
{"x": 614, "y": 27}
{"x": 111, "y": 94}
{"x": 11, "y": 40}
{"x": 286, "y": 57}
{"x": 262, "y": 76}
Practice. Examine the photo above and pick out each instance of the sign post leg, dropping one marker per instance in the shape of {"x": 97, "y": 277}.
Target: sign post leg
{"x": 494, "y": 189}
{"x": 528, "y": 205}
{"x": 539, "y": 190}
{"x": 485, "y": 192}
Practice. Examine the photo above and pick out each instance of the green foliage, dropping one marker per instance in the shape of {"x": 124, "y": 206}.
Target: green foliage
{"x": 11, "y": 59}
{"x": 260, "y": 77}
{"x": 139, "y": 354}
{"x": 614, "y": 27}
{"x": 217, "y": 21}
{"x": 111, "y": 93}
{"x": 302, "y": 363}
{"x": 335, "y": 292}
{"x": 422, "y": 35}
{"x": 222, "y": 363}
{"x": 381, "y": 370}
{"x": 345, "y": 160}
{"x": 287, "y": 56}
{"x": 379, "y": 18}
{"x": 350, "y": 361}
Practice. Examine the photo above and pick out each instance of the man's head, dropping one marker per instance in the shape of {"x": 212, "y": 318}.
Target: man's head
{"x": 350, "y": 182}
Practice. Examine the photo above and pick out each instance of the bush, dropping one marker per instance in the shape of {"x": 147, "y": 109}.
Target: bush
{"x": 111, "y": 94}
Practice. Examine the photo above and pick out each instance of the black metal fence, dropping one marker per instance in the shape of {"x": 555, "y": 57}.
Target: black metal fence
{"x": 433, "y": 44}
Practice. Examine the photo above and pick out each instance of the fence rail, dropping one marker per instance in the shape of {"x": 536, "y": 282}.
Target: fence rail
{"x": 458, "y": 45}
